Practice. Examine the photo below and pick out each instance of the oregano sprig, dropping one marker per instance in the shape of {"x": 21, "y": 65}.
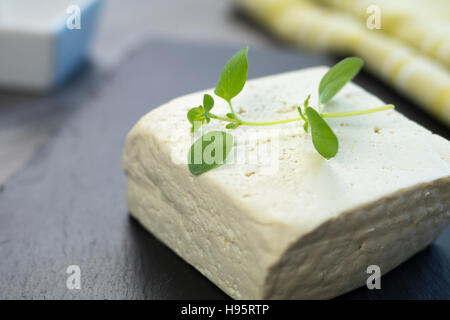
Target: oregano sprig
{"x": 231, "y": 83}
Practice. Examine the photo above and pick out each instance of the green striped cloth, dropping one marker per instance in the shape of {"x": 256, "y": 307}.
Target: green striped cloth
{"x": 411, "y": 50}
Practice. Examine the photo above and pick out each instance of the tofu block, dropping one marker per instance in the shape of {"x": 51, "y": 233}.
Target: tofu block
{"x": 297, "y": 226}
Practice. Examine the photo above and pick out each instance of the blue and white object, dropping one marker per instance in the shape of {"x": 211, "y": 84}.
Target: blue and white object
{"x": 44, "y": 42}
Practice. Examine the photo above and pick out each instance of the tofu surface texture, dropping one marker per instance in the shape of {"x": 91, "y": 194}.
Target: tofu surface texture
{"x": 297, "y": 226}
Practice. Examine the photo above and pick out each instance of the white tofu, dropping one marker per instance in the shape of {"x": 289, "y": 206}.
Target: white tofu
{"x": 309, "y": 228}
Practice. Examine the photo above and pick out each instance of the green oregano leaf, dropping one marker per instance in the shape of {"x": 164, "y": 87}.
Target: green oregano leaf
{"x": 305, "y": 125}
{"x": 232, "y": 125}
{"x": 196, "y": 117}
{"x": 195, "y": 114}
{"x": 306, "y": 102}
{"x": 323, "y": 138}
{"x": 337, "y": 77}
{"x": 209, "y": 151}
{"x": 208, "y": 102}
{"x": 233, "y": 77}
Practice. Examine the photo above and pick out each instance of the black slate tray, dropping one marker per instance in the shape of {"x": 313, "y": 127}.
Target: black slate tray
{"x": 68, "y": 208}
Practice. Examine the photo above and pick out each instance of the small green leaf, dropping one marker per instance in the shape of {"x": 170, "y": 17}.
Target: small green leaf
{"x": 305, "y": 125}
{"x": 209, "y": 151}
{"x": 337, "y": 77}
{"x": 208, "y": 102}
{"x": 232, "y": 125}
{"x": 323, "y": 138}
{"x": 195, "y": 114}
{"x": 306, "y": 103}
{"x": 196, "y": 117}
{"x": 231, "y": 115}
{"x": 233, "y": 77}
{"x": 301, "y": 113}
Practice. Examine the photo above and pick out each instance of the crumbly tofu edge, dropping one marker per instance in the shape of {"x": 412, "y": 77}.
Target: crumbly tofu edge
{"x": 333, "y": 258}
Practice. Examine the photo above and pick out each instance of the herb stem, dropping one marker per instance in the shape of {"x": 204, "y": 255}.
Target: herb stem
{"x": 213, "y": 116}
{"x": 270, "y": 123}
{"x": 251, "y": 123}
{"x": 231, "y": 108}
{"x": 323, "y": 115}
{"x": 356, "y": 113}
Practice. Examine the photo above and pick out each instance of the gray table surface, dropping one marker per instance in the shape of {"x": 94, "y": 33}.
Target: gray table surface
{"x": 124, "y": 25}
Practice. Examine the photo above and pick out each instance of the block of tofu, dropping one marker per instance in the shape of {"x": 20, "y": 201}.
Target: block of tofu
{"x": 309, "y": 228}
